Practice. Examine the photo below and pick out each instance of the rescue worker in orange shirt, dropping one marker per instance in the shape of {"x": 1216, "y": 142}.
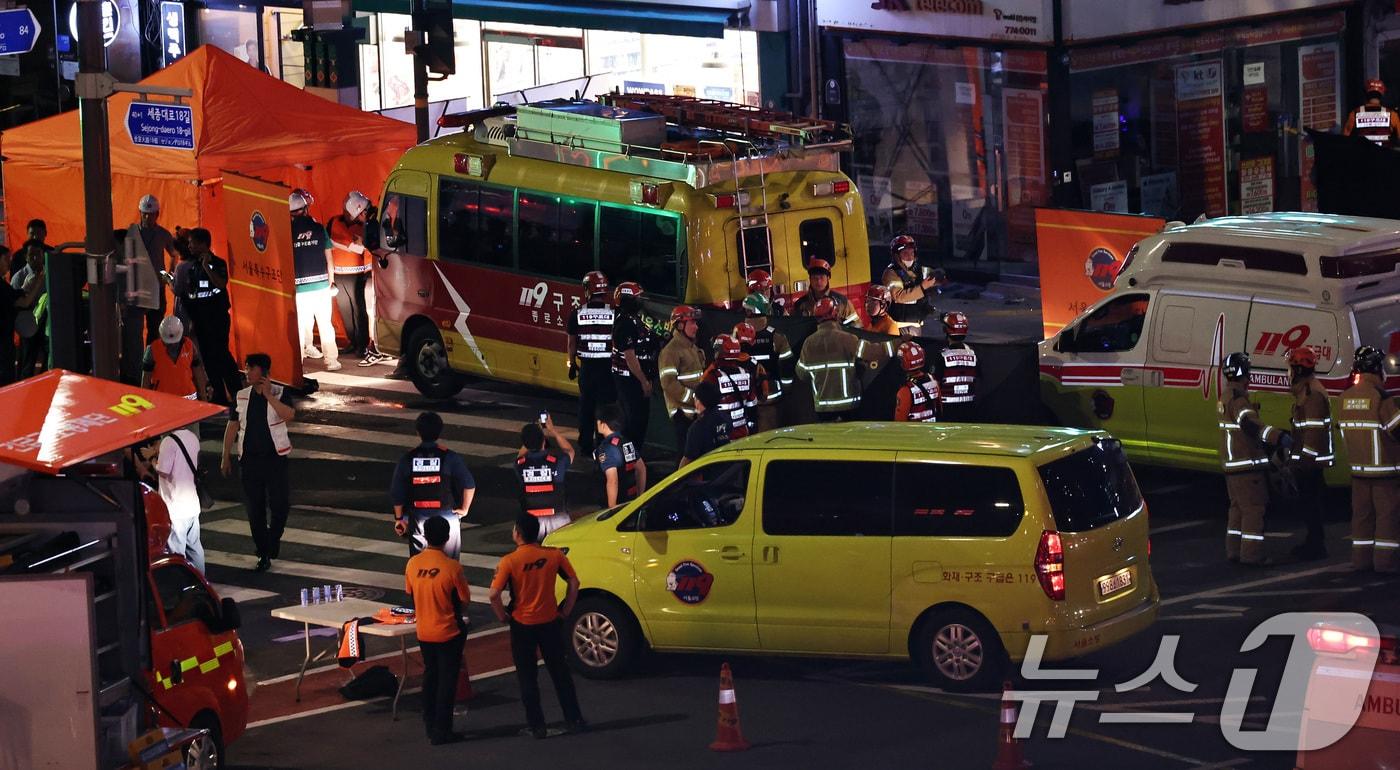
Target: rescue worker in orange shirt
{"x": 530, "y": 572}
{"x": 877, "y": 306}
{"x": 1312, "y": 449}
{"x": 438, "y": 589}
{"x": 172, "y": 364}
{"x": 1373, "y": 120}
{"x": 350, "y": 260}
{"x": 918, "y": 398}
{"x": 1245, "y": 443}
{"x": 1370, "y": 422}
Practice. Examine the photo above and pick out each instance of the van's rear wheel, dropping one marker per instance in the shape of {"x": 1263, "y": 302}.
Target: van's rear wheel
{"x": 602, "y": 638}
{"x": 960, "y": 651}
{"x": 426, "y": 357}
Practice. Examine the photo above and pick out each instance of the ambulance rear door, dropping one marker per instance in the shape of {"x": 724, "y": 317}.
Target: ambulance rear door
{"x": 817, "y": 234}
{"x": 1191, "y": 332}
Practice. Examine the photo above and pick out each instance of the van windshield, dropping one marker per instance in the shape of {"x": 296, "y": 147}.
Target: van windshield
{"x": 1091, "y": 488}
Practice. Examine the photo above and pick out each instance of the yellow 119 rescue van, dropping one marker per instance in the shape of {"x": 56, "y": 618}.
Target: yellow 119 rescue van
{"x": 1144, "y": 362}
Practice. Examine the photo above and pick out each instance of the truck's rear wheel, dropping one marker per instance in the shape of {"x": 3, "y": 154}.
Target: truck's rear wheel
{"x": 426, "y": 357}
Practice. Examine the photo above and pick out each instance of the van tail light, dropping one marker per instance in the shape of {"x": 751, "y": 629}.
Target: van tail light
{"x": 1050, "y": 565}
{"x": 1338, "y": 641}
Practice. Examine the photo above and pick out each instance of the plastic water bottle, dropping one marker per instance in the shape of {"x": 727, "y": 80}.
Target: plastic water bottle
{"x": 339, "y": 592}
{"x": 326, "y": 592}
{"x": 305, "y": 597}
{"x": 315, "y": 594}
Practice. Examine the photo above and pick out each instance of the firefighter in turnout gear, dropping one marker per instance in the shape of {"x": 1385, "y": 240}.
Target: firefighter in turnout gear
{"x": 831, "y": 361}
{"x": 917, "y": 399}
{"x": 682, "y": 364}
{"x": 541, "y": 473}
{"x": 819, "y": 275}
{"x": 1370, "y": 422}
{"x": 735, "y": 381}
{"x": 624, "y": 471}
{"x": 773, "y": 355}
{"x": 761, "y": 283}
{"x": 877, "y": 306}
{"x": 1373, "y": 120}
{"x": 1312, "y": 449}
{"x": 590, "y": 354}
{"x": 909, "y": 283}
{"x": 431, "y": 481}
{"x": 956, "y": 369}
{"x": 1245, "y": 442}
{"x": 633, "y": 359}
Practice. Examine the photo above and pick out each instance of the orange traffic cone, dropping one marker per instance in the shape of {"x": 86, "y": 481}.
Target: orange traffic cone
{"x": 728, "y": 736}
{"x": 464, "y": 684}
{"x": 1009, "y": 755}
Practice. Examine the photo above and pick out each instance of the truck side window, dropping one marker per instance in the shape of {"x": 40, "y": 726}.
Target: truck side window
{"x": 183, "y": 596}
{"x": 710, "y": 496}
{"x": 1113, "y": 328}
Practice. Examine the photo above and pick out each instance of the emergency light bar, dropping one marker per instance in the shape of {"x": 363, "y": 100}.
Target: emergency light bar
{"x": 731, "y": 200}
{"x": 826, "y": 189}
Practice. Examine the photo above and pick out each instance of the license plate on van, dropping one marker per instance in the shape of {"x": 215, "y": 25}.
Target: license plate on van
{"x": 1111, "y": 584}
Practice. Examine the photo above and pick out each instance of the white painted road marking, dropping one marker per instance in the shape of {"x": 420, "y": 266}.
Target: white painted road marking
{"x": 317, "y": 539}
{"x": 325, "y": 573}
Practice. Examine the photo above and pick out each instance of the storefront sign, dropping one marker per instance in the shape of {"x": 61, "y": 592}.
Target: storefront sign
{"x": 111, "y": 22}
{"x": 172, "y": 22}
{"x": 1319, "y": 99}
{"x": 1109, "y": 196}
{"x": 1022, "y": 114}
{"x": 1020, "y": 20}
{"x": 1089, "y": 19}
{"x": 1158, "y": 194}
{"x": 1257, "y": 185}
{"x": 1254, "y": 105}
{"x": 1106, "y": 123}
{"x": 964, "y": 93}
{"x": 1080, "y": 254}
{"x": 921, "y": 210}
{"x": 170, "y": 126}
{"x": 1200, "y": 110}
{"x": 1207, "y": 42}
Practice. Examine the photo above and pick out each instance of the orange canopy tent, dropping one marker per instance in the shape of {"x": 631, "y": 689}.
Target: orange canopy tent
{"x": 244, "y": 120}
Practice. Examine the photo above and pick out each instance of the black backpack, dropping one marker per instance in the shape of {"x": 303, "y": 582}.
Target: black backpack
{"x": 376, "y": 682}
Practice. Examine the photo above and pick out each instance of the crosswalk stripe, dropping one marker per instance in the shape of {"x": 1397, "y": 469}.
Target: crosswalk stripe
{"x": 370, "y": 382}
{"x": 461, "y": 420}
{"x": 325, "y": 573}
{"x": 216, "y": 448}
{"x": 241, "y": 594}
{"x": 401, "y": 441}
{"x": 353, "y": 514}
{"x": 345, "y": 542}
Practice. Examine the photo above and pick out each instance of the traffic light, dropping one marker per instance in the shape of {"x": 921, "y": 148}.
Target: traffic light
{"x": 330, "y": 56}
{"x": 440, "y": 52}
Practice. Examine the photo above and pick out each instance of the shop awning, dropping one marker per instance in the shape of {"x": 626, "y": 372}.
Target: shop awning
{"x": 709, "y": 20}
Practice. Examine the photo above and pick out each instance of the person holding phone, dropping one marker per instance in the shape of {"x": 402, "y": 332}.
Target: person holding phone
{"x": 542, "y": 474}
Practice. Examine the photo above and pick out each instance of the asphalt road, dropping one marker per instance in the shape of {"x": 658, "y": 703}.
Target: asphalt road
{"x": 796, "y": 713}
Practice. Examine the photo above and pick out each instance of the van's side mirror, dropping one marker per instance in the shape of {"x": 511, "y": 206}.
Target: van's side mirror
{"x": 229, "y": 616}
{"x": 392, "y": 240}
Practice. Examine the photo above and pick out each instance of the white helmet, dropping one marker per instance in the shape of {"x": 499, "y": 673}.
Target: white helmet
{"x": 148, "y": 205}
{"x": 299, "y": 199}
{"x": 356, "y": 203}
{"x": 172, "y": 330}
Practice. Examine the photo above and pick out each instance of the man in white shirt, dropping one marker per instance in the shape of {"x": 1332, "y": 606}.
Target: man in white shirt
{"x": 177, "y": 489}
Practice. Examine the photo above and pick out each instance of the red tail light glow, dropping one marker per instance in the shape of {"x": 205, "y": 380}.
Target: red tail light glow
{"x": 1338, "y": 641}
{"x": 1050, "y": 565}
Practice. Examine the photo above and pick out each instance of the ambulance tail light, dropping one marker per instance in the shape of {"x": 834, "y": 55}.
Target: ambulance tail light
{"x": 1050, "y": 565}
{"x": 827, "y": 189}
{"x": 471, "y": 165}
{"x": 1339, "y": 641}
{"x": 731, "y": 200}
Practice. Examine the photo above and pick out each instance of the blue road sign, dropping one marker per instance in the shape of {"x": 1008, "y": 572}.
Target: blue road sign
{"x": 19, "y": 30}
{"x": 170, "y": 126}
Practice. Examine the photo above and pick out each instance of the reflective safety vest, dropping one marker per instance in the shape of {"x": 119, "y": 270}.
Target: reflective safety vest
{"x": 1370, "y": 423}
{"x": 735, "y": 384}
{"x": 908, "y": 307}
{"x": 1312, "y": 424}
{"x": 353, "y": 258}
{"x": 276, "y": 426}
{"x": 1243, "y": 437}
{"x": 309, "y": 252}
{"x": 845, "y": 312}
{"x": 428, "y": 491}
{"x": 682, "y": 367}
{"x": 1372, "y": 123}
{"x": 923, "y": 399}
{"x": 771, "y": 351}
{"x": 626, "y": 475}
{"x": 830, "y": 361}
{"x": 957, "y": 372}
{"x": 594, "y": 322}
{"x": 174, "y": 376}
{"x": 542, "y": 495}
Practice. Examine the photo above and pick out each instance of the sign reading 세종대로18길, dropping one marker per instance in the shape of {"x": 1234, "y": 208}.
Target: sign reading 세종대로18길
{"x": 170, "y": 126}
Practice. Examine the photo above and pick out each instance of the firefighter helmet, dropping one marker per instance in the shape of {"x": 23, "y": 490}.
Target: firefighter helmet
{"x": 172, "y": 330}
{"x": 299, "y": 200}
{"x": 757, "y": 304}
{"x": 818, "y": 265}
{"x": 1375, "y": 86}
{"x": 911, "y": 356}
{"x": 1369, "y": 359}
{"x": 627, "y": 289}
{"x": 955, "y": 324}
{"x": 595, "y": 283}
{"x": 727, "y": 347}
{"x": 745, "y": 333}
{"x": 356, "y": 203}
{"x": 901, "y": 242}
{"x": 1303, "y": 357}
{"x": 759, "y": 280}
{"x": 683, "y": 313}
{"x": 1236, "y": 366}
{"x": 148, "y": 205}
{"x": 824, "y": 309}
{"x": 878, "y": 292}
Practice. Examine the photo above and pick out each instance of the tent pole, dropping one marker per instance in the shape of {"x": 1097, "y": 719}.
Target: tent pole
{"x": 97, "y": 191}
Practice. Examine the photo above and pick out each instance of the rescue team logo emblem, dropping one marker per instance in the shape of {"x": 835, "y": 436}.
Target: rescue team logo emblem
{"x": 689, "y": 581}
{"x": 1101, "y": 268}
{"x": 258, "y": 231}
